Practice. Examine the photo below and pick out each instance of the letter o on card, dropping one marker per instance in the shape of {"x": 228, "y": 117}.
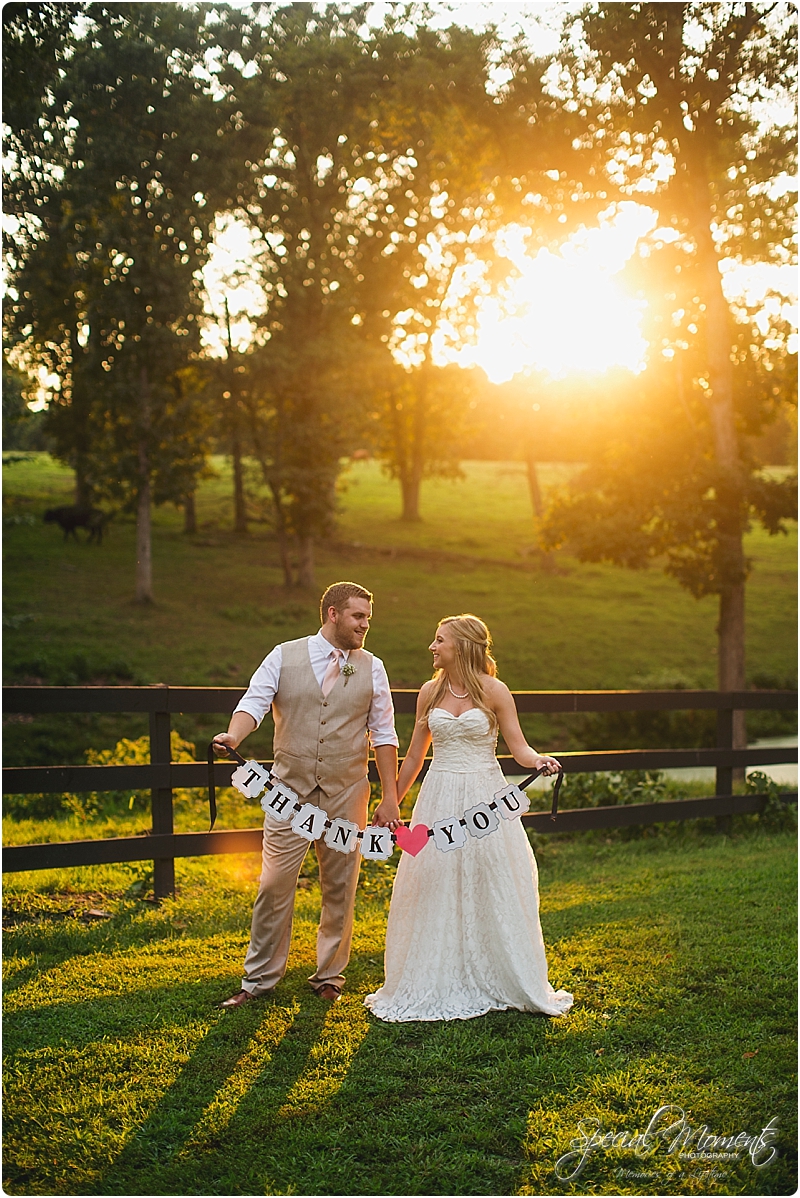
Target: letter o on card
{"x": 481, "y": 820}
{"x": 376, "y": 844}
{"x": 279, "y": 802}
{"x": 309, "y": 822}
{"x": 342, "y": 835}
{"x": 448, "y": 834}
{"x": 512, "y": 802}
{"x": 250, "y": 779}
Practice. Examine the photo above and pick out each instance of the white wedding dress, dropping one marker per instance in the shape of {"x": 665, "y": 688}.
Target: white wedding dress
{"x": 464, "y": 935}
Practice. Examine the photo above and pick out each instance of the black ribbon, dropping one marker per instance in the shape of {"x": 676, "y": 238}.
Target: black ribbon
{"x": 556, "y": 789}
{"x": 212, "y": 794}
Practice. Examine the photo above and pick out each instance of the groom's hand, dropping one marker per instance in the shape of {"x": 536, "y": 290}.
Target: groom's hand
{"x": 387, "y": 814}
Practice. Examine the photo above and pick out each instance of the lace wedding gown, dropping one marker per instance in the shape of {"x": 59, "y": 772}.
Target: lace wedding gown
{"x": 464, "y": 935}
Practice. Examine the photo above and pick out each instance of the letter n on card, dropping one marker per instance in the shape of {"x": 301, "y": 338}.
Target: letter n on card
{"x": 342, "y": 835}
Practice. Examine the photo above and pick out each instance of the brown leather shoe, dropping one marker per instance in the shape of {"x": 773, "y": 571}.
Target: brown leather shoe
{"x": 236, "y": 1000}
{"x": 329, "y": 992}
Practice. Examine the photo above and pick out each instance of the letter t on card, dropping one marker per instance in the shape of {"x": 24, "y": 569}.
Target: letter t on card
{"x": 250, "y": 779}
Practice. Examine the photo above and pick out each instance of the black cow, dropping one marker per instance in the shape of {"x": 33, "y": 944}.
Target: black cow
{"x": 75, "y": 516}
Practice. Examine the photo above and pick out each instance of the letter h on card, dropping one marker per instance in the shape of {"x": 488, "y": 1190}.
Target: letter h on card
{"x": 280, "y": 802}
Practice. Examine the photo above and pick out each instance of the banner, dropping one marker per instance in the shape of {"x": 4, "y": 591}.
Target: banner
{"x": 280, "y": 803}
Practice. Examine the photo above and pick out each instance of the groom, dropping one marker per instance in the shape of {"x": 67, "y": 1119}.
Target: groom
{"x": 329, "y": 700}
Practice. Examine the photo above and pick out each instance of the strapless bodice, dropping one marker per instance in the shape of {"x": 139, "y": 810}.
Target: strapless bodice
{"x": 462, "y": 743}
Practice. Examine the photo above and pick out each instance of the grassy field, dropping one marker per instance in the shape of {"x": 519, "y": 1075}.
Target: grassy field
{"x": 122, "y": 1078}
{"x": 70, "y": 615}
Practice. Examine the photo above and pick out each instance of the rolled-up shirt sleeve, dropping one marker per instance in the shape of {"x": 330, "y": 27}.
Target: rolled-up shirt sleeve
{"x": 263, "y": 686}
{"x": 380, "y": 720}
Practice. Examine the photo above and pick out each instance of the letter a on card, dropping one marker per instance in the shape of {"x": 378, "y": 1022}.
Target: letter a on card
{"x": 250, "y": 779}
{"x": 512, "y": 802}
{"x": 342, "y": 835}
{"x": 309, "y": 822}
{"x": 376, "y": 843}
{"x": 448, "y": 834}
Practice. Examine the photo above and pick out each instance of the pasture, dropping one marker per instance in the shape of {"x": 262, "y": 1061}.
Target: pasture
{"x": 220, "y": 604}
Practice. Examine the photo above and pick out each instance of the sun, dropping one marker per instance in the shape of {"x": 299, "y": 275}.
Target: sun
{"x": 565, "y": 312}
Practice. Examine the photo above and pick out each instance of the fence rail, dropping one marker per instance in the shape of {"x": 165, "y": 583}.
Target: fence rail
{"x": 161, "y": 776}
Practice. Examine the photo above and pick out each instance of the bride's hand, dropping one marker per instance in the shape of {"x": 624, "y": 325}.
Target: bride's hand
{"x": 548, "y": 765}
{"x": 386, "y": 815}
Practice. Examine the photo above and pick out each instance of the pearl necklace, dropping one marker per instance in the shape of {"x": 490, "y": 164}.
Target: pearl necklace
{"x": 453, "y": 693}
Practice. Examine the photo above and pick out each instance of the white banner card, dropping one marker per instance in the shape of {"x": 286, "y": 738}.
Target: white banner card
{"x": 309, "y": 822}
{"x": 280, "y": 801}
{"x": 449, "y": 834}
{"x": 512, "y": 802}
{"x": 342, "y": 835}
{"x": 250, "y": 779}
{"x": 377, "y": 843}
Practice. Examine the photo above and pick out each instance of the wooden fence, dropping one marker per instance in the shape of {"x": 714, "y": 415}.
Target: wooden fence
{"x": 162, "y": 845}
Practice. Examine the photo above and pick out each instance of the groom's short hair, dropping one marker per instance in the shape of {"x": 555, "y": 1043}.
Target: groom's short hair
{"x": 339, "y": 594}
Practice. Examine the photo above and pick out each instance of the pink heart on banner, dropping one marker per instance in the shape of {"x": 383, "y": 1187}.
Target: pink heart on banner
{"x": 412, "y": 840}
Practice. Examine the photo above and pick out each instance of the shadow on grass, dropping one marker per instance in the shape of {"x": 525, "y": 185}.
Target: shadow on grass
{"x": 311, "y": 1099}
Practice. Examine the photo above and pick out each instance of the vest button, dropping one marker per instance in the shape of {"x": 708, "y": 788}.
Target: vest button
{"x": 325, "y": 704}
{"x": 322, "y": 742}
{"x": 324, "y": 721}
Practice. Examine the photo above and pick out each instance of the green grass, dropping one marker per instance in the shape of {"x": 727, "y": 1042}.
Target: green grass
{"x": 70, "y": 615}
{"x": 122, "y": 1078}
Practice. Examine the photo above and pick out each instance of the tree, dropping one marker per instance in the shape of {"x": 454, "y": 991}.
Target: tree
{"x": 106, "y": 290}
{"x": 668, "y": 103}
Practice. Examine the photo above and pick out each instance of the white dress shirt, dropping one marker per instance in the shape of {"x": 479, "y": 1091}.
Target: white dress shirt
{"x": 264, "y": 685}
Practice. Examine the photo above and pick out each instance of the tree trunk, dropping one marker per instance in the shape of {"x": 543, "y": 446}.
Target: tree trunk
{"x": 305, "y": 567}
{"x": 189, "y": 515}
{"x": 411, "y": 479}
{"x": 144, "y": 554}
{"x": 410, "y": 488}
{"x": 733, "y": 566}
{"x": 239, "y": 508}
{"x": 144, "y": 559}
{"x": 83, "y": 491}
{"x": 283, "y": 537}
{"x": 533, "y": 488}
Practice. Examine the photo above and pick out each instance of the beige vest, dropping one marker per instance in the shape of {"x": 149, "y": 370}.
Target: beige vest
{"x": 321, "y": 742}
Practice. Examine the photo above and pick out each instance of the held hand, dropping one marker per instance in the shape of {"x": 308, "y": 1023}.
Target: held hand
{"x": 387, "y": 814}
{"x": 221, "y": 739}
{"x": 548, "y": 765}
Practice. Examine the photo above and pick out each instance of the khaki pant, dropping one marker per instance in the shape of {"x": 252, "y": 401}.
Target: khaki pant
{"x": 282, "y": 856}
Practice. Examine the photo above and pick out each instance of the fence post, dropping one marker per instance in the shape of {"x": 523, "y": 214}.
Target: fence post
{"x": 161, "y": 803}
{"x": 724, "y": 783}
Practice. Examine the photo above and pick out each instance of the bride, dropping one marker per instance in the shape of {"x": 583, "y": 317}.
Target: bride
{"x": 464, "y": 936}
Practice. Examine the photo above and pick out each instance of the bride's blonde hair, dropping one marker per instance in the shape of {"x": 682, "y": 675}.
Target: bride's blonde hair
{"x": 473, "y": 642}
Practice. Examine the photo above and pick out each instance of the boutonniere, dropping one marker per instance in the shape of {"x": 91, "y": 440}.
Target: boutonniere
{"x": 348, "y": 671}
